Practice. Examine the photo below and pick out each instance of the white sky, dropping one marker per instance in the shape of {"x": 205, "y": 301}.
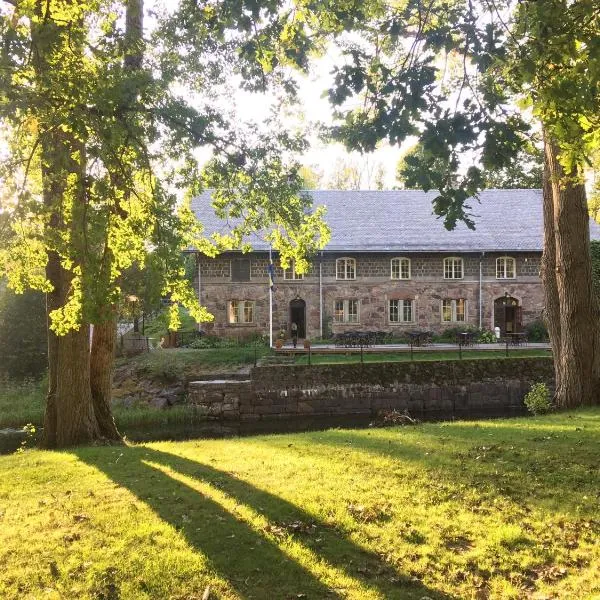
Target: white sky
{"x": 313, "y": 110}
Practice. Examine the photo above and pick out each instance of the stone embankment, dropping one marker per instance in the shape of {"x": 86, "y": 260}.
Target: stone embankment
{"x": 449, "y": 389}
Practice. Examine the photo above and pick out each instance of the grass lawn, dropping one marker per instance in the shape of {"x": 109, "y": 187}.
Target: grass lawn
{"x": 491, "y": 509}
{"x": 404, "y": 355}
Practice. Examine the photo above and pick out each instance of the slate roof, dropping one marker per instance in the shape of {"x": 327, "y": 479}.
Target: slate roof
{"x": 403, "y": 221}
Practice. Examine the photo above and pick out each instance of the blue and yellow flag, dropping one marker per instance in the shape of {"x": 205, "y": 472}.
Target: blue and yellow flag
{"x": 271, "y": 269}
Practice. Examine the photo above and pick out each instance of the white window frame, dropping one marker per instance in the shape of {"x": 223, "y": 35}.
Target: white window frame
{"x": 241, "y": 312}
{"x": 452, "y": 306}
{"x": 401, "y": 311}
{"x": 347, "y": 315}
{"x": 349, "y": 268}
{"x": 290, "y": 274}
{"x": 502, "y": 263}
{"x": 451, "y": 273}
{"x": 399, "y": 261}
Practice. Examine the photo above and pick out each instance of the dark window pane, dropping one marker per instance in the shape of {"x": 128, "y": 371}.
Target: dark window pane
{"x": 240, "y": 269}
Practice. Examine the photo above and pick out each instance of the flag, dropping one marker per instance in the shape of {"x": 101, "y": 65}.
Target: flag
{"x": 271, "y": 270}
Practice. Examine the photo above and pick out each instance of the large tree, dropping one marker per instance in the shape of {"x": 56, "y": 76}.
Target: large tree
{"x": 103, "y": 118}
{"x": 520, "y": 69}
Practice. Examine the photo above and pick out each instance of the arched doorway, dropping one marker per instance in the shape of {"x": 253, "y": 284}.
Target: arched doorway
{"x": 298, "y": 315}
{"x": 507, "y": 314}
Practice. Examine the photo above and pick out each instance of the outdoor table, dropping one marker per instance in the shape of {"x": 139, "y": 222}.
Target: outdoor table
{"x": 417, "y": 338}
{"x": 465, "y": 338}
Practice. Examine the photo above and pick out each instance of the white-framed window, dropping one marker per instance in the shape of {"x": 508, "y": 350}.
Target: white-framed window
{"x": 240, "y": 311}
{"x": 453, "y": 268}
{"x": 401, "y": 311}
{"x": 345, "y": 311}
{"x": 506, "y": 267}
{"x": 454, "y": 311}
{"x": 290, "y": 272}
{"x": 345, "y": 268}
{"x": 400, "y": 268}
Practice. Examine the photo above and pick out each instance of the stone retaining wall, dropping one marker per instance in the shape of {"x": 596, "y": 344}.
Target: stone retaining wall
{"x": 424, "y": 389}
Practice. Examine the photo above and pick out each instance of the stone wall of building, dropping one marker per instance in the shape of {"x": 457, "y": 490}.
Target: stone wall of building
{"x": 423, "y": 389}
{"x": 373, "y": 288}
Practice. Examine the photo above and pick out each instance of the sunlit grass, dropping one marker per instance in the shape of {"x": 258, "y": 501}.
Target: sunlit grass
{"x": 489, "y": 509}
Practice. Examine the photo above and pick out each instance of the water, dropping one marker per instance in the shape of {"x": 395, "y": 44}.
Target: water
{"x": 12, "y": 439}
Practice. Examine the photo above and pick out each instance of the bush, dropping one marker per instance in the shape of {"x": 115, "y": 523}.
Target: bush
{"x": 536, "y": 331}
{"x": 486, "y": 337}
{"x": 450, "y": 334}
{"x": 538, "y": 400}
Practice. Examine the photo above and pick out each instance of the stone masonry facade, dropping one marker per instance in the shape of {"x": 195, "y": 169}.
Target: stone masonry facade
{"x": 373, "y": 288}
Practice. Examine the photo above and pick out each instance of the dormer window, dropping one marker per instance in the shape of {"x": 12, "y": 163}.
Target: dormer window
{"x": 453, "y": 268}
{"x": 506, "y": 268}
{"x": 400, "y": 268}
{"x": 345, "y": 268}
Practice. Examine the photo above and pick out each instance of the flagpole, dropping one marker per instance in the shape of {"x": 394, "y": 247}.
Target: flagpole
{"x": 270, "y": 298}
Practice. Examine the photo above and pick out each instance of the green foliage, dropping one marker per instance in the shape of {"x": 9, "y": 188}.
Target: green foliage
{"x": 310, "y": 177}
{"x": 23, "y": 338}
{"x": 161, "y": 323}
{"x": 537, "y": 331}
{"x": 486, "y": 337}
{"x": 449, "y": 334}
{"x": 538, "y": 400}
{"x": 525, "y": 172}
{"x": 102, "y": 146}
{"x": 213, "y": 342}
{"x": 469, "y": 86}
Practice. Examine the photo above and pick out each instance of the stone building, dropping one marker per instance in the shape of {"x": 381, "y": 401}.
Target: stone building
{"x": 390, "y": 266}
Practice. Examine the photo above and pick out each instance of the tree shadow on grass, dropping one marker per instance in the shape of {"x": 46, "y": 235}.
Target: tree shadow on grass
{"x": 253, "y": 563}
{"x": 521, "y": 464}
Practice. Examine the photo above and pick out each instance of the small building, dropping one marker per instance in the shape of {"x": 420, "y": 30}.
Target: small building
{"x": 390, "y": 266}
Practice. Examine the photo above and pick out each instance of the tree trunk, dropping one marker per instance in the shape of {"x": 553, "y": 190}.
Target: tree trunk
{"x": 52, "y": 303}
{"x": 69, "y": 417}
{"x": 572, "y": 310}
{"x": 548, "y": 274}
{"x": 76, "y": 423}
{"x": 101, "y": 366}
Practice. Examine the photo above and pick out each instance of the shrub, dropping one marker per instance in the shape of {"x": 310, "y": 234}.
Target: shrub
{"x": 536, "y": 331}
{"x": 449, "y": 334}
{"x": 486, "y": 337}
{"x": 538, "y": 399}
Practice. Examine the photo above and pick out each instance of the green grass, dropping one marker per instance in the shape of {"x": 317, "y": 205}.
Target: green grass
{"x": 404, "y": 355}
{"x": 473, "y": 510}
{"x": 170, "y": 365}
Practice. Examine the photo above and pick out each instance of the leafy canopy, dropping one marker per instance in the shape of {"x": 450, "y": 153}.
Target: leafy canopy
{"x": 103, "y": 129}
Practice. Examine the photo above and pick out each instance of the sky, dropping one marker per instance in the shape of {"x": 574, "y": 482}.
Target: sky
{"x": 313, "y": 109}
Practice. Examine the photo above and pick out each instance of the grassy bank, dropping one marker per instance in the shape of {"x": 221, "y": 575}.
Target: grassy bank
{"x": 22, "y": 402}
{"x": 497, "y": 509}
